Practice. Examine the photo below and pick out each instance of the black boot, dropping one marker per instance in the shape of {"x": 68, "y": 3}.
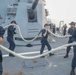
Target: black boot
{"x": 66, "y": 56}
{"x": 11, "y": 55}
{"x": 72, "y": 73}
{"x": 50, "y": 54}
{"x": 42, "y": 57}
{"x": 0, "y": 72}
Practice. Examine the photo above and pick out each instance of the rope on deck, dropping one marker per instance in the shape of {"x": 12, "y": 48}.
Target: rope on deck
{"x": 37, "y": 56}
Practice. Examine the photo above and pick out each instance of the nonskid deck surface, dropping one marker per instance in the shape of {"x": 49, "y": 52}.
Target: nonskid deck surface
{"x": 54, "y": 65}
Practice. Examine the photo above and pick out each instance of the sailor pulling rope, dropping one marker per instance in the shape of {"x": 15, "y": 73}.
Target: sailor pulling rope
{"x": 35, "y": 36}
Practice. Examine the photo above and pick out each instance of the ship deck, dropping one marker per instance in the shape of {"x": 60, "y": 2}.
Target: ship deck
{"x": 54, "y": 65}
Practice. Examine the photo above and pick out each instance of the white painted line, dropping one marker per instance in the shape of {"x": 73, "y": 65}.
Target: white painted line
{"x": 25, "y": 53}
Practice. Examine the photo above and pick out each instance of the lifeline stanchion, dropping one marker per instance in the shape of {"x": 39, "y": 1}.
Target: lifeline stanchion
{"x": 37, "y": 56}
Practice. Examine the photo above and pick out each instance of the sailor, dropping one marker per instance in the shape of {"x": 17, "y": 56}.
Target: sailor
{"x": 74, "y": 57}
{"x": 64, "y": 29}
{"x": 2, "y": 31}
{"x": 70, "y": 32}
{"x": 44, "y": 41}
{"x": 10, "y": 34}
{"x": 54, "y": 28}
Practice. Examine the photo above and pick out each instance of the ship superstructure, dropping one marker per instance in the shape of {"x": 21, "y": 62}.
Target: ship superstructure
{"x": 30, "y": 15}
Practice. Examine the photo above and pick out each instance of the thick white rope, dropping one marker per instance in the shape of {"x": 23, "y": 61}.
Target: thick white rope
{"x": 37, "y": 56}
{"x": 6, "y": 26}
{"x": 21, "y": 34}
{"x": 35, "y": 37}
{"x": 58, "y": 35}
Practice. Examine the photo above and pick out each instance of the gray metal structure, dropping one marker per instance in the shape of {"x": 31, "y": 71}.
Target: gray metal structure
{"x": 30, "y": 15}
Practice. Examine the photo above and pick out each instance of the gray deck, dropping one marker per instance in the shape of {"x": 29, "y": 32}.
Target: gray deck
{"x": 54, "y": 65}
